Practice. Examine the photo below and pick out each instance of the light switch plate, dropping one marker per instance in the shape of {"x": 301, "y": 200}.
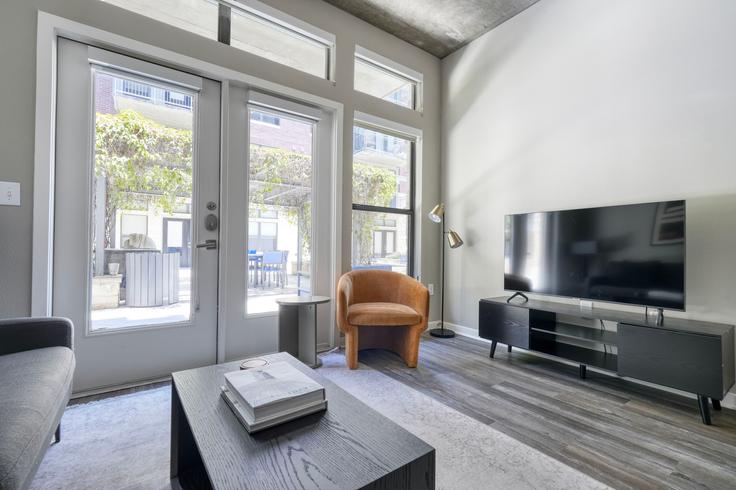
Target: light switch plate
{"x": 9, "y": 193}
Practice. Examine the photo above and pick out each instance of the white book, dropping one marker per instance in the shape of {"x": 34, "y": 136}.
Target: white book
{"x": 273, "y": 389}
{"x": 252, "y": 426}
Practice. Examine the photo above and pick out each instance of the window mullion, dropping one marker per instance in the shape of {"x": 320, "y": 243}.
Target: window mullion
{"x": 381, "y": 209}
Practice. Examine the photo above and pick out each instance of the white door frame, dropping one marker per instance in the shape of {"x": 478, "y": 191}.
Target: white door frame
{"x": 50, "y": 27}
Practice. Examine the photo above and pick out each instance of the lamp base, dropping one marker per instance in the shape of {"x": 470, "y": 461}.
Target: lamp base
{"x": 442, "y": 333}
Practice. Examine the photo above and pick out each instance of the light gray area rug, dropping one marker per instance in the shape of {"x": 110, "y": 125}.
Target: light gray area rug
{"x": 116, "y": 443}
{"x": 469, "y": 453}
{"x": 123, "y": 442}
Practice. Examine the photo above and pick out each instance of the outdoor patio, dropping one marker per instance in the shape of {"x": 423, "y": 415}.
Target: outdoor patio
{"x": 261, "y": 299}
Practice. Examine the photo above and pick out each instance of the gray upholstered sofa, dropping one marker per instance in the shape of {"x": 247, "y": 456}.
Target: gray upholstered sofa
{"x": 36, "y": 369}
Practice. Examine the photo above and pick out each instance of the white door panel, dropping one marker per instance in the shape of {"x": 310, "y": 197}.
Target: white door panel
{"x": 173, "y": 325}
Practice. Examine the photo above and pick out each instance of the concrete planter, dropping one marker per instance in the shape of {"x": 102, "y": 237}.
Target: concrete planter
{"x": 106, "y": 291}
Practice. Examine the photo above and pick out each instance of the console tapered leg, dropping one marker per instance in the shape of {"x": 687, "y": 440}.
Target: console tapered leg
{"x": 509, "y": 347}
{"x": 716, "y": 404}
{"x": 704, "y": 409}
{"x": 57, "y": 434}
{"x": 583, "y": 371}
{"x": 493, "y": 349}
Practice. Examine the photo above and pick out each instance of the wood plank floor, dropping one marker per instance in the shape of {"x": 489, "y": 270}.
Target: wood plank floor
{"x": 619, "y": 432}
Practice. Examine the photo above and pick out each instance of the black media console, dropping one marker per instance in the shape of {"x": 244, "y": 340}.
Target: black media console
{"x": 689, "y": 355}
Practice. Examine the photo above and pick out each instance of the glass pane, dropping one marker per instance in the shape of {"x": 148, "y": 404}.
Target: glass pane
{"x": 280, "y": 210}
{"x": 197, "y": 16}
{"x": 381, "y": 169}
{"x": 174, "y": 234}
{"x": 142, "y": 192}
{"x": 377, "y": 245}
{"x": 276, "y": 43}
{"x": 383, "y": 84}
{"x": 131, "y": 224}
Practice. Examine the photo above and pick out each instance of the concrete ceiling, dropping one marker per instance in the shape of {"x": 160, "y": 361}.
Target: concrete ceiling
{"x": 436, "y": 26}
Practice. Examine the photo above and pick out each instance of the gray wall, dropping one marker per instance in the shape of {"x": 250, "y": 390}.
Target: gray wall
{"x": 17, "y": 98}
{"x": 574, "y": 103}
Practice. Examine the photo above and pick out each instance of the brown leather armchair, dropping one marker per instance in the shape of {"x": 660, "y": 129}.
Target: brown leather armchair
{"x": 381, "y": 309}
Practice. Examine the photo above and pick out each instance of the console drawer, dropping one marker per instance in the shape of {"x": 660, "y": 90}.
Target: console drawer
{"x": 504, "y": 323}
{"x": 686, "y": 361}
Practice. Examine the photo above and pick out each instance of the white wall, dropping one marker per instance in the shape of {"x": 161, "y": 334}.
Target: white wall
{"x": 576, "y": 103}
{"x": 17, "y": 97}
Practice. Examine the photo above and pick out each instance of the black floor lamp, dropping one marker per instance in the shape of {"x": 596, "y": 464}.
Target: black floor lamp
{"x": 454, "y": 241}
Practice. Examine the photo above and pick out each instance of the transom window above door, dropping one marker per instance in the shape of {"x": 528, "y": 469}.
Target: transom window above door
{"x": 248, "y": 25}
{"x": 381, "y": 77}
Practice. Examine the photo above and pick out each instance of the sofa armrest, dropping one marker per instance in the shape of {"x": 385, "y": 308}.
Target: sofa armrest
{"x": 21, "y": 334}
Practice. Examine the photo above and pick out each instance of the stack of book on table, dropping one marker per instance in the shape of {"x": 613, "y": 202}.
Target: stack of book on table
{"x": 271, "y": 395}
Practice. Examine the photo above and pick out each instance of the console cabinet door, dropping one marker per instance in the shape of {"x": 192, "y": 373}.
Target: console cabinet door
{"x": 507, "y": 324}
{"x": 686, "y": 361}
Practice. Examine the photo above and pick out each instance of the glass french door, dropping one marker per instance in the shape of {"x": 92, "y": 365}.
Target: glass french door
{"x": 136, "y": 215}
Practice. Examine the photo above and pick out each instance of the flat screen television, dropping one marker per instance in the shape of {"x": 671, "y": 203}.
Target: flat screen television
{"x": 633, "y": 254}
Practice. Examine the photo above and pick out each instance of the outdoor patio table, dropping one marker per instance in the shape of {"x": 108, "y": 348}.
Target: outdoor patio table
{"x": 256, "y": 260}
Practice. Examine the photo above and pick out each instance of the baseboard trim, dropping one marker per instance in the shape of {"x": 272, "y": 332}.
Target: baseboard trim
{"x": 124, "y": 386}
{"x": 459, "y": 329}
{"x": 465, "y": 331}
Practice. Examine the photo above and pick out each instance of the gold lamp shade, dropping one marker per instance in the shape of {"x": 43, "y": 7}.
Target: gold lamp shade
{"x": 437, "y": 213}
{"x": 453, "y": 239}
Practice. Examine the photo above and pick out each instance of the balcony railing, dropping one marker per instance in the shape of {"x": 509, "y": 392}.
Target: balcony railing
{"x": 161, "y": 96}
{"x": 136, "y": 89}
{"x": 178, "y": 99}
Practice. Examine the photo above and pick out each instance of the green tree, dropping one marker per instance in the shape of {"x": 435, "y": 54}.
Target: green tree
{"x": 375, "y": 186}
{"x": 146, "y": 164}
{"x": 283, "y": 179}
{"x": 143, "y": 164}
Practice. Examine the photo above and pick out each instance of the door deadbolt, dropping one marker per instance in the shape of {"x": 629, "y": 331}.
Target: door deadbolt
{"x": 211, "y": 222}
{"x": 211, "y": 205}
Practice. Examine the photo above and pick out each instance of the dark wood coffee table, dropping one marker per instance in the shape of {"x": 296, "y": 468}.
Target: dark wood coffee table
{"x": 348, "y": 446}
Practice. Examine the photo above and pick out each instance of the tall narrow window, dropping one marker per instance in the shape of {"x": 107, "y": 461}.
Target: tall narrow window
{"x": 383, "y": 206}
{"x": 279, "y": 208}
{"x": 387, "y": 80}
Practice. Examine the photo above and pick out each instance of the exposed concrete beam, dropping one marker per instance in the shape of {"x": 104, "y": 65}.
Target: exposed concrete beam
{"x": 436, "y": 26}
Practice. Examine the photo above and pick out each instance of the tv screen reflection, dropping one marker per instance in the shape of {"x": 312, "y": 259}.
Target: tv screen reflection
{"x": 631, "y": 254}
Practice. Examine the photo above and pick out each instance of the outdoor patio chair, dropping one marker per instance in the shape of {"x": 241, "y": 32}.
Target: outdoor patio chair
{"x": 284, "y": 261}
{"x": 254, "y": 267}
{"x": 274, "y": 264}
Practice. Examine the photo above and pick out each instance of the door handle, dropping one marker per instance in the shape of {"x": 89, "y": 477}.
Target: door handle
{"x": 208, "y": 244}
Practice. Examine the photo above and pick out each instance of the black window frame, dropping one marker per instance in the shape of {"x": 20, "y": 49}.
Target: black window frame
{"x": 409, "y": 212}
